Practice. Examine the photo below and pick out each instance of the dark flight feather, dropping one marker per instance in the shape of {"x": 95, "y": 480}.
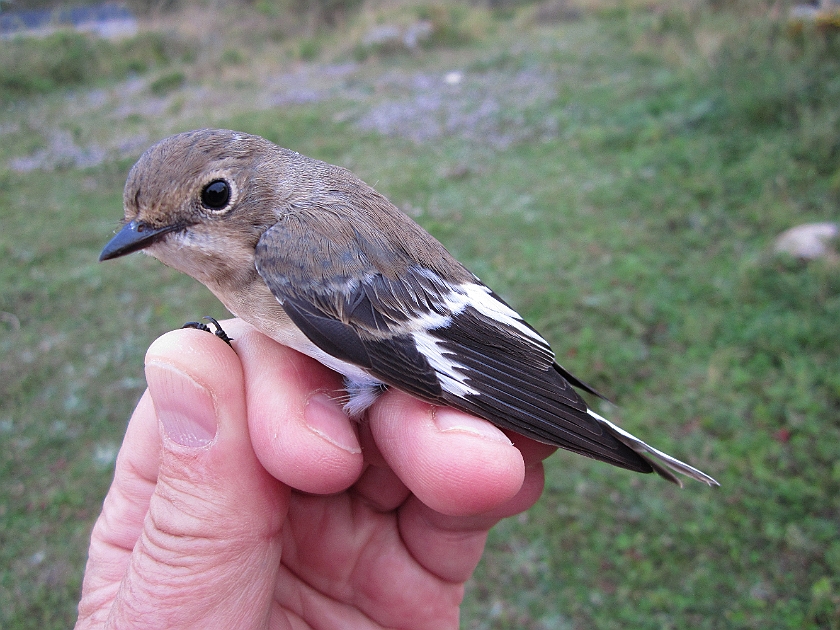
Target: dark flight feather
{"x": 368, "y": 323}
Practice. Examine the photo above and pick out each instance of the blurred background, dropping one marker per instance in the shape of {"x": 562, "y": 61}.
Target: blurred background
{"x": 624, "y": 173}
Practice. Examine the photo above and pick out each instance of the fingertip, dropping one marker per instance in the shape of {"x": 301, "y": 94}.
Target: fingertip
{"x": 186, "y": 341}
{"x": 197, "y": 387}
{"x": 454, "y": 463}
{"x": 299, "y": 430}
{"x": 185, "y": 408}
{"x": 529, "y": 493}
{"x": 326, "y": 418}
{"x": 449, "y": 420}
{"x": 532, "y": 451}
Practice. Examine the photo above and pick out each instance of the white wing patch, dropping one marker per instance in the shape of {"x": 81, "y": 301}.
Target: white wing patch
{"x": 363, "y": 389}
{"x": 450, "y": 372}
{"x": 445, "y": 363}
{"x": 481, "y": 299}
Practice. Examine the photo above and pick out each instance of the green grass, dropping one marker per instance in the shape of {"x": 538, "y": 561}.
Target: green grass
{"x": 636, "y": 237}
{"x": 63, "y": 60}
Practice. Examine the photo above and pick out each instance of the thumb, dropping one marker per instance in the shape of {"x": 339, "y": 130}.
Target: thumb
{"x": 209, "y": 550}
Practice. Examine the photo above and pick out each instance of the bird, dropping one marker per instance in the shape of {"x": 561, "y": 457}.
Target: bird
{"x": 321, "y": 262}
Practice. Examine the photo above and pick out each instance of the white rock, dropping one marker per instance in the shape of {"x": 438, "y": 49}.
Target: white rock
{"x": 808, "y": 241}
{"x": 453, "y": 78}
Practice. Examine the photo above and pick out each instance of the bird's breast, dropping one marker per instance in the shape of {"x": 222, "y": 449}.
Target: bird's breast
{"x": 254, "y": 303}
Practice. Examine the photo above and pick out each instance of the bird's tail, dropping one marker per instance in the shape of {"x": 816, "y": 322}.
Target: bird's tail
{"x": 662, "y": 463}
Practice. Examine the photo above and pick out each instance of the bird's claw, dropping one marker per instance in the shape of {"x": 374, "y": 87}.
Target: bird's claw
{"x": 219, "y": 332}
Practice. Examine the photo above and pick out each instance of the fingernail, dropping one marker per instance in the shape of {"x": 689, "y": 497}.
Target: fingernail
{"x": 449, "y": 420}
{"x": 326, "y": 418}
{"x": 185, "y": 409}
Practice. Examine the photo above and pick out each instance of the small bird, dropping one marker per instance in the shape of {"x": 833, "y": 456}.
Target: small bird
{"x": 319, "y": 261}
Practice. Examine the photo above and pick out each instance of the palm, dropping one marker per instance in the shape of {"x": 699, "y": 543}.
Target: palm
{"x": 342, "y": 555}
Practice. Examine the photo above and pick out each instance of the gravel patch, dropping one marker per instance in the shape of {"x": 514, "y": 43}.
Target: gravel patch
{"x": 62, "y": 152}
{"x": 494, "y": 108}
{"x": 486, "y": 108}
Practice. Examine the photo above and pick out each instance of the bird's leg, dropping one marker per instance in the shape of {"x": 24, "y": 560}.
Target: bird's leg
{"x": 219, "y": 332}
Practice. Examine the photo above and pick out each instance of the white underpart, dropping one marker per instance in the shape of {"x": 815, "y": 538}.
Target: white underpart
{"x": 360, "y": 385}
{"x": 360, "y": 395}
{"x": 362, "y": 388}
{"x": 645, "y": 449}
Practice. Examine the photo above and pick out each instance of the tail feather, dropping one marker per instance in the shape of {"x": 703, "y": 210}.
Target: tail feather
{"x": 661, "y": 462}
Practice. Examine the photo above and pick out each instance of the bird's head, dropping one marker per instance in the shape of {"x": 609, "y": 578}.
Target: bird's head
{"x": 199, "y": 202}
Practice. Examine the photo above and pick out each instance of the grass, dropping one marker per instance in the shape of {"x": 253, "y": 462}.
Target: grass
{"x": 630, "y": 221}
{"x": 30, "y": 67}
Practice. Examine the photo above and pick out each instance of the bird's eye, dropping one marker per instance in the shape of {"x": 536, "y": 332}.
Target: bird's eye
{"x": 216, "y": 194}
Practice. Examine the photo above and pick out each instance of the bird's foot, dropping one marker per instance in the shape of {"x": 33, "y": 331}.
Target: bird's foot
{"x": 219, "y": 332}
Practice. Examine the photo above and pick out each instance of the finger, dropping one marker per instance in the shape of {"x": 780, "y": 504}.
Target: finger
{"x": 451, "y": 546}
{"x": 381, "y": 489}
{"x": 533, "y": 452}
{"x": 121, "y": 521}
{"x": 210, "y": 544}
{"x": 340, "y": 560}
{"x": 378, "y": 486}
{"x": 453, "y": 462}
{"x": 298, "y": 428}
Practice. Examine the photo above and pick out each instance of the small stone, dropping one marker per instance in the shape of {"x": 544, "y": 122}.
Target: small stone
{"x": 808, "y": 241}
{"x": 453, "y": 78}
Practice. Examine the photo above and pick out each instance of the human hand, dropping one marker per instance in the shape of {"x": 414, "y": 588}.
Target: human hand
{"x": 243, "y": 497}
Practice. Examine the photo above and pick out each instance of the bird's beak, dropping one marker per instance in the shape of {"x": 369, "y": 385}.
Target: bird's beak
{"x": 133, "y": 237}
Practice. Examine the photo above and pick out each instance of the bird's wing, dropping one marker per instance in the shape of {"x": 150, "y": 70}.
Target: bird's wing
{"x": 448, "y": 342}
